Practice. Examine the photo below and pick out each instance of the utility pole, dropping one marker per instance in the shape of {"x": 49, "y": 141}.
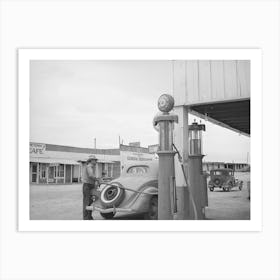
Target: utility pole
{"x": 94, "y": 143}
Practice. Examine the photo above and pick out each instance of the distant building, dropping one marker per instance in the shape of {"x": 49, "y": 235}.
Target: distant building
{"x": 134, "y": 144}
{"x": 207, "y": 166}
{"x": 153, "y": 148}
{"x": 57, "y": 164}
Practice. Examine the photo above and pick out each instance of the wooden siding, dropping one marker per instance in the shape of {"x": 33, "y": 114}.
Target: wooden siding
{"x": 207, "y": 81}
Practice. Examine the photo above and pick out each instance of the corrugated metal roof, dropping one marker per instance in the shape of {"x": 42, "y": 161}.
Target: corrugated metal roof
{"x": 63, "y": 161}
{"x": 60, "y": 148}
{"x": 98, "y": 161}
{"x": 53, "y": 160}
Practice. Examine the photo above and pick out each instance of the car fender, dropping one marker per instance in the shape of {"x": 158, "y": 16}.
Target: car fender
{"x": 210, "y": 183}
{"x": 142, "y": 200}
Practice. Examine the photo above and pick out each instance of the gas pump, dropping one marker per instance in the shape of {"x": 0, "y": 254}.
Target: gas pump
{"x": 198, "y": 182}
{"x": 164, "y": 122}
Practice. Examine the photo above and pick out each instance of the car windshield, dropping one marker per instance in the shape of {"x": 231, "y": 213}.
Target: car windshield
{"x": 138, "y": 169}
{"x": 221, "y": 172}
{"x": 218, "y": 173}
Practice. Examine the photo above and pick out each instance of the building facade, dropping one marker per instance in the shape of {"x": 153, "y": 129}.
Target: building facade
{"x": 207, "y": 166}
{"x": 56, "y": 164}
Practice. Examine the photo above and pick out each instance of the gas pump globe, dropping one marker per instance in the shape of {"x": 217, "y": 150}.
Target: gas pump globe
{"x": 195, "y": 138}
{"x": 165, "y": 103}
{"x": 165, "y": 122}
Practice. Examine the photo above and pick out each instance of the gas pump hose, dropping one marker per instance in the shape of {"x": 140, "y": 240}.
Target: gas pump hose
{"x": 139, "y": 192}
{"x": 180, "y": 159}
{"x": 131, "y": 190}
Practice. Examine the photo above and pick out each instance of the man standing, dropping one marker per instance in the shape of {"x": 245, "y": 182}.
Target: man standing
{"x": 89, "y": 180}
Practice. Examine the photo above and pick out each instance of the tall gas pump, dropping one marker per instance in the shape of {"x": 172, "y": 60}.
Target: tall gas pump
{"x": 198, "y": 183}
{"x": 164, "y": 122}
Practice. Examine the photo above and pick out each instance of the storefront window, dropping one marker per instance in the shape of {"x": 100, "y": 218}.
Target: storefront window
{"x": 34, "y": 168}
{"x": 59, "y": 171}
{"x": 43, "y": 171}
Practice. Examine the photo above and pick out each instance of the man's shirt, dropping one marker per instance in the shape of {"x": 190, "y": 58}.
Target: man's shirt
{"x": 89, "y": 174}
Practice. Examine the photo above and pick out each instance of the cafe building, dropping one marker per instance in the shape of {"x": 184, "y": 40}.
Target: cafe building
{"x": 57, "y": 164}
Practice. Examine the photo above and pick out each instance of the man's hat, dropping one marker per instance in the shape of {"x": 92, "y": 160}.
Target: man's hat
{"x": 91, "y": 157}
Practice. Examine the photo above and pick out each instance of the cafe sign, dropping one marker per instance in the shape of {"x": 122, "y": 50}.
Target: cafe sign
{"x": 36, "y": 148}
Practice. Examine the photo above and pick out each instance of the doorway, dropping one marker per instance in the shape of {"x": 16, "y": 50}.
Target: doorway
{"x": 68, "y": 175}
{"x": 33, "y": 172}
{"x": 51, "y": 174}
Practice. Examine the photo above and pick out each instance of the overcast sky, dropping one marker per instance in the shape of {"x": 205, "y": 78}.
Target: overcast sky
{"x": 73, "y": 102}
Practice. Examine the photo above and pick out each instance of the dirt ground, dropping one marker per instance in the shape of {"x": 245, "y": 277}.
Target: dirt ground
{"x": 64, "y": 202}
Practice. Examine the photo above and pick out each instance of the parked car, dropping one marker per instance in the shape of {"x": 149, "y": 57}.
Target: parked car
{"x": 134, "y": 192}
{"x": 223, "y": 179}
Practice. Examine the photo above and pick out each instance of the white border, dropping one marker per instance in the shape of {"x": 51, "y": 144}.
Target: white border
{"x": 254, "y": 55}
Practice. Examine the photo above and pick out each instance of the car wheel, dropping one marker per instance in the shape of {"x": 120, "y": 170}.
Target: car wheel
{"x": 107, "y": 215}
{"x": 152, "y": 214}
{"x": 217, "y": 182}
{"x": 112, "y": 195}
{"x": 211, "y": 189}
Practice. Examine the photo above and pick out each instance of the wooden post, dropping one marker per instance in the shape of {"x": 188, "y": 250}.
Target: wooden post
{"x": 96, "y": 169}
{"x": 55, "y": 173}
{"x": 47, "y": 172}
{"x": 64, "y": 173}
{"x": 71, "y": 179}
{"x": 37, "y": 175}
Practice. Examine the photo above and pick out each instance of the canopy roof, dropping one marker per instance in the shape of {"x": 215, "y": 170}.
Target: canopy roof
{"x": 234, "y": 115}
